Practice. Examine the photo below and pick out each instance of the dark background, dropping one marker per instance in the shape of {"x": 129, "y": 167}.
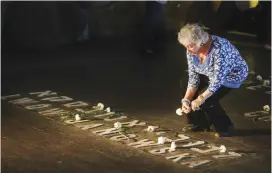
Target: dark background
{"x": 48, "y": 25}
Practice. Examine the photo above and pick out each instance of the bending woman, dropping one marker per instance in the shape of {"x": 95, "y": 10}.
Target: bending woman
{"x": 215, "y": 67}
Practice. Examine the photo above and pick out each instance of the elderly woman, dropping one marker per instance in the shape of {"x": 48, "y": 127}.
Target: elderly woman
{"x": 215, "y": 67}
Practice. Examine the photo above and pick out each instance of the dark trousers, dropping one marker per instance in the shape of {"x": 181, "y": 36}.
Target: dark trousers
{"x": 211, "y": 112}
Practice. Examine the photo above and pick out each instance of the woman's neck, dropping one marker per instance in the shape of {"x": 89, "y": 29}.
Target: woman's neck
{"x": 203, "y": 51}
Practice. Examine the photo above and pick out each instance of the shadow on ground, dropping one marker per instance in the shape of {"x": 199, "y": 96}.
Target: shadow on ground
{"x": 251, "y": 132}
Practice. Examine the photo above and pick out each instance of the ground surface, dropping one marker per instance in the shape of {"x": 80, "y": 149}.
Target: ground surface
{"x": 145, "y": 88}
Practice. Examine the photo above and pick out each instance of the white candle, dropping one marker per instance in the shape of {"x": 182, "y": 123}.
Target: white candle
{"x": 108, "y": 109}
{"x": 173, "y": 147}
{"x": 150, "y": 128}
{"x": 266, "y": 108}
{"x": 161, "y": 140}
{"x": 179, "y": 112}
{"x": 77, "y": 117}
{"x": 266, "y": 82}
{"x": 117, "y": 125}
{"x": 223, "y": 149}
{"x": 259, "y": 78}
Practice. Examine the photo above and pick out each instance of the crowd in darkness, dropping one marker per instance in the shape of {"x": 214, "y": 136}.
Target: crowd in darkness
{"x": 228, "y": 16}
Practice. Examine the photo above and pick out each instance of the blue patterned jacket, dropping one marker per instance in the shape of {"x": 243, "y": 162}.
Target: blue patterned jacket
{"x": 223, "y": 66}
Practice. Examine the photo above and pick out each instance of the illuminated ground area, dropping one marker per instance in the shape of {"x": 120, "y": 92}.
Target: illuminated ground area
{"x": 145, "y": 88}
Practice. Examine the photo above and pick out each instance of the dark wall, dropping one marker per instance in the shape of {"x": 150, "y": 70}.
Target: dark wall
{"x": 48, "y": 24}
{"x": 40, "y": 24}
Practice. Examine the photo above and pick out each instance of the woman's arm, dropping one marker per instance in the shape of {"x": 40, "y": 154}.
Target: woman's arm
{"x": 220, "y": 70}
{"x": 190, "y": 92}
{"x": 193, "y": 81}
{"x": 206, "y": 94}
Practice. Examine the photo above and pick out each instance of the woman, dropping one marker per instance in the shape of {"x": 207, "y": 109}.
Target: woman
{"x": 215, "y": 67}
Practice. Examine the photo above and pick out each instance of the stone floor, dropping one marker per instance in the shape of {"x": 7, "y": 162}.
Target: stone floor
{"x": 145, "y": 88}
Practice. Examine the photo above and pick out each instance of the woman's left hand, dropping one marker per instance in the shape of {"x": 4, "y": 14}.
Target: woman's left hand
{"x": 196, "y": 104}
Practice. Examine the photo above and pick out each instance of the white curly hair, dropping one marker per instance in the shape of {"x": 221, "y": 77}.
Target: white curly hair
{"x": 192, "y": 33}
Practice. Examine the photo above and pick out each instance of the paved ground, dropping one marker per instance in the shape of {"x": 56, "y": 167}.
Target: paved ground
{"x": 146, "y": 88}
{"x": 31, "y": 143}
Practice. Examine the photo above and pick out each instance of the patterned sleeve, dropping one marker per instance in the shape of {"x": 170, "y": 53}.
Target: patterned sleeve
{"x": 219, "y": 70}
{"x": 194, "y": 80}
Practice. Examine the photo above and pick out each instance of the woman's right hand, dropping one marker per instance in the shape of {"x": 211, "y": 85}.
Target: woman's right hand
{"x": 186, "y": 108}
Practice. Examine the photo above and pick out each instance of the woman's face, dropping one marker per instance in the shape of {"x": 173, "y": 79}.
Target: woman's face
{"x": 193, "y": 48}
